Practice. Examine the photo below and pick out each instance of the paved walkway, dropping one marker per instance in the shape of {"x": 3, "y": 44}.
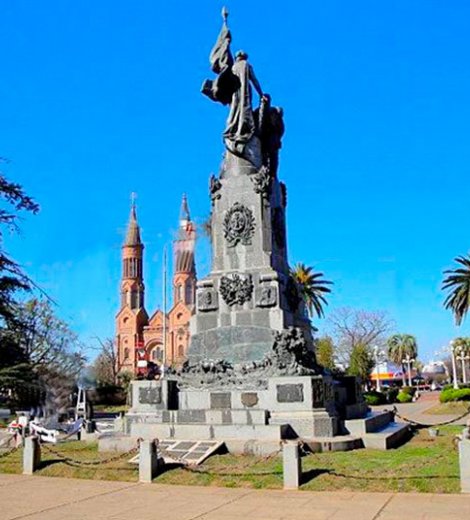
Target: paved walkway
{"x": 417, "y": 411}
{"x": 45, "y": 498}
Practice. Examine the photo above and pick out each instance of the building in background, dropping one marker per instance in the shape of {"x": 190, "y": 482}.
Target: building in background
{"x": 140, "y": 338}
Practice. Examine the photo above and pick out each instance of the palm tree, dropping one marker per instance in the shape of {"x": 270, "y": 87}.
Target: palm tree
{"x": 312, "y": 288}
{"x": 458, "y": 284}
{"x": 399, "y": 346}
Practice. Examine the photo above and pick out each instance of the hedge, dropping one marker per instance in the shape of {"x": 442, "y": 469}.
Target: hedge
{"x": 454, "y": 394}
{"x": 374, "y": 398}
{"x": 404, "y": 397}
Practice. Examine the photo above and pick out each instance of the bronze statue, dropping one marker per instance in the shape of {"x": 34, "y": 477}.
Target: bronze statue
{"x": 233, "y": 86}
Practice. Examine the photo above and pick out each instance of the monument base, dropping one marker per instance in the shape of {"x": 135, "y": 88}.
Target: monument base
{"x": 314, "y": 409}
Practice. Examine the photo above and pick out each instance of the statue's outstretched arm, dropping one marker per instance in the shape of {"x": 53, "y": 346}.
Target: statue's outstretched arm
{"x": 255, "y": 82}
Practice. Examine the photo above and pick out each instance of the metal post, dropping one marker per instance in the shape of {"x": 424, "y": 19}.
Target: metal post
{"x": 454, "y": 366}
{"x": 164, "y": 314}
{"x": 409, "y": 370}
{"x": 377, "y": 371}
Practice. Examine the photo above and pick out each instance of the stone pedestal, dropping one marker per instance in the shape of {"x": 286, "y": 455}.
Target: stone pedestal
{"x": 31, "y": 455}
{"x": 464, "y": 462}
{"x": 291, "y": 465}
{"x": 248, "y": 294}
{"x": 151, "y": 396}
{"x": 149, "y": 461}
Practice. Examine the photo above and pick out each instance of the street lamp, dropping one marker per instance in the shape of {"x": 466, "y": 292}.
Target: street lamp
{"x": 462, "y": 356}
{"x": 454, "y": 366}
{"x": 408, "y": 361}
{"x": 377, "y": 370}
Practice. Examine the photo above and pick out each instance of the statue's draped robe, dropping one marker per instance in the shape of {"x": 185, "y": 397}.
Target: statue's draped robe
{"x": 241, "y": 123}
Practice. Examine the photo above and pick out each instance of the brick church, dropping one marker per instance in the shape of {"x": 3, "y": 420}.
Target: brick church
{"x": 140, "y": 338}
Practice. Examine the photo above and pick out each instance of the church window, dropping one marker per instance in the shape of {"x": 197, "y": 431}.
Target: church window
{"x": 125, "y": 320}
{"x": 181, "y": 351}
{"x": 189, "y": 293}
{"x": 126, "y": 353}
{"x": 179, "y": 315}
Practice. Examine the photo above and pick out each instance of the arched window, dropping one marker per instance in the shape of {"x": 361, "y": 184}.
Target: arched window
{"x": 180, "y": 350}
{"x": 126, "y": 353}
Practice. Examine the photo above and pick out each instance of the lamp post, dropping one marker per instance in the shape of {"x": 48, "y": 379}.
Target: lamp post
{"x": 454, "y": 366}
{"x": 165, "y": 332}
{"x": 462, "y": 356}
{"x": 408, "y": 361}
{"x": 378, "y": 356}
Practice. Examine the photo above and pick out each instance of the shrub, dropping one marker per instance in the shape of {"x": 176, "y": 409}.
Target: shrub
{"x": 392, "y": 394}
{"x": 454, "y": 394}
{"x": 404, "y": 397}
{"x": 374, "y": 398}
{"x": 410, "y": 390}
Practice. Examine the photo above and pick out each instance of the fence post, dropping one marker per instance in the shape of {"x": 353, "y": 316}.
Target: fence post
{"x": 292, "y": 465}
{"x": 31, "y": 455}
{"x": 148, "y": 461}
{"x": 464, "y": 460}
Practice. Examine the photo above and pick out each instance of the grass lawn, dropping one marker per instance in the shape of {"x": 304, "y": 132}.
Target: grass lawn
{"x": 422, "y": 465}
{"x": 451, "y": 408}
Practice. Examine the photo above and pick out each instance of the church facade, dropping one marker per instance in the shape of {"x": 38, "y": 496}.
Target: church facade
{"x": 144, "y": 340}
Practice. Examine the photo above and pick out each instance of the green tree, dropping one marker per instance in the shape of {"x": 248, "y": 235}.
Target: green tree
{"x": 324, "y": 351}
{"x": 12, "y": 277}
{"x": 399, "y": 346}
{"x": 105, "y": 369}
{"x": 457, "y": 283}
{"x": 312, "y": 288}
{"x": 15, "y": 373}
{"x": 361, "y": 362}
{"x": 51, "y": 353}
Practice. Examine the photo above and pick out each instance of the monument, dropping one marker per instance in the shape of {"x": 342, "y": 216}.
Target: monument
{"x": 249, "y": 292}
{"x": 251, "y": 379}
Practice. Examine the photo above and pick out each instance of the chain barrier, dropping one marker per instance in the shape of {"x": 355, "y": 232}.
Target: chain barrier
{"x": 419, "y": 425}
{"x": 9, "y": 452}
{"x": 237, "y": 470}
{"x": 76, "y": 462}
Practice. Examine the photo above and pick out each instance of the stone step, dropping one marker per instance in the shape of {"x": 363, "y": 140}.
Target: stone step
{"x": 221, "y": 432}
{"x": 374, "y": 421}
{"x": 337, "y": 443}
{"x": 391, "y": 436}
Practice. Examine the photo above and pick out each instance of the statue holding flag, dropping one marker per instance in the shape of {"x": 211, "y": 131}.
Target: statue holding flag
{"x": 233, "y": 86}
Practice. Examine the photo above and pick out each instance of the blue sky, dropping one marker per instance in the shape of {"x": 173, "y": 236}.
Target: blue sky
{"x": 99, "y": 99}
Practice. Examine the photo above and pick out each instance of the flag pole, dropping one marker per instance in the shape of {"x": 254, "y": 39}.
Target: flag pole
{"x": 164, "y": 314}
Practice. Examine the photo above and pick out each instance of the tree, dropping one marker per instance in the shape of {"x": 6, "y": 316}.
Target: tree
{"x": 457, "y": 283}
{"x": 399, "y": 346}
{"x": 312, "y": 288}
{"x": 12, "y": 277}
{"x": 105, "y": 367}
{"x": 51, "y": 351}
{"x": 361, "y": 362}
{"x": 15, "y": 374}
{"x": 351, "y": 327}
{"x": 324, "y": 351}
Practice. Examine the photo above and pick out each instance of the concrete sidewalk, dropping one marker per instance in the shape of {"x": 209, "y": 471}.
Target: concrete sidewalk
{"x": 68, "y": 499}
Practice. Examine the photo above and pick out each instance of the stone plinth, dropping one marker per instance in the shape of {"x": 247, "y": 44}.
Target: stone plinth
{"x": 151, "y": 396}
{"x": 464, "y": 462}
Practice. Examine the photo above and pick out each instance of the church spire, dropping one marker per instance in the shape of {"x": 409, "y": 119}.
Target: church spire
{"x": 133, "y": 229}
{"x": 185, "y": 217}
{"x": 132, "y": 283}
